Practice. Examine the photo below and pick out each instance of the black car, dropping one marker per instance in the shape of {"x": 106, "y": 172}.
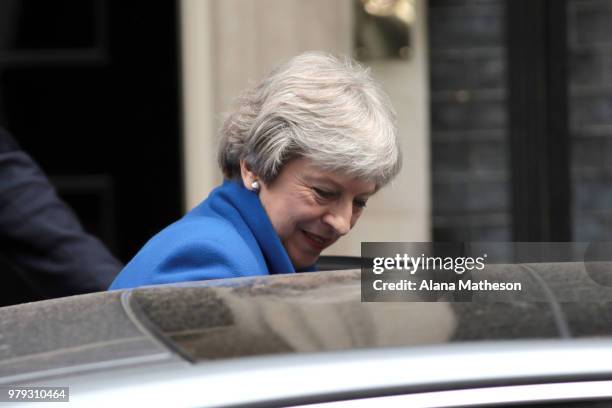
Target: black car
{"x": 309, "y": 338}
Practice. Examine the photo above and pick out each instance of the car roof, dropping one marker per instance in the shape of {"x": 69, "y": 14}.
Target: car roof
{"x": 297, "y": 313}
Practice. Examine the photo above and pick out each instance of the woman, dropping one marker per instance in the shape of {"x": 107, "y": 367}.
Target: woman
{"x": 301, "y": 154}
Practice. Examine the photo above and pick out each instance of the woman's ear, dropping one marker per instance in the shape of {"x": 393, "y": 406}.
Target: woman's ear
{"x": 249, "y": 179}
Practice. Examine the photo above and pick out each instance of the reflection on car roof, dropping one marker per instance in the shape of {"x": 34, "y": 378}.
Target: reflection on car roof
{"x": 307, "y": 312}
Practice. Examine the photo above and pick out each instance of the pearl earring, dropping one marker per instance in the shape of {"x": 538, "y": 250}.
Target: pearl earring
{"x": 255, "y": 186}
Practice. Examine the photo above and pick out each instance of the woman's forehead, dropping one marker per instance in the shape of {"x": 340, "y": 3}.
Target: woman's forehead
{"x": 309, "y": 171}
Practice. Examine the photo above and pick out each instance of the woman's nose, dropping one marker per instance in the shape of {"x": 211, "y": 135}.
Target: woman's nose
{"x": 339, "y": 218}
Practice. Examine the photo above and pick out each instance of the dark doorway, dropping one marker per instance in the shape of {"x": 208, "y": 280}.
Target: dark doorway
{"x": 90, "y": 89}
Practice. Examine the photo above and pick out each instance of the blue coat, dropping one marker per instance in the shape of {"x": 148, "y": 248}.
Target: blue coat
{"x": 228, "y": 235}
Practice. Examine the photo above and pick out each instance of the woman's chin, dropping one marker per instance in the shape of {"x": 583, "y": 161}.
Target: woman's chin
{"x": 303, "y": 260}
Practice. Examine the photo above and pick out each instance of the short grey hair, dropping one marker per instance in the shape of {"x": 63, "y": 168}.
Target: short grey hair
{"x": 318, "y": 107}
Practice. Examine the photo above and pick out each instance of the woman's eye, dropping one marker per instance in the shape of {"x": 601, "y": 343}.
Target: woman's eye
{"x": 324, "y": 193}
{"x": 360, "y": 203}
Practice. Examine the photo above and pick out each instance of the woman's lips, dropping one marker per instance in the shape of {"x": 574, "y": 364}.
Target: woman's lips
{"x": 316, "y": 241}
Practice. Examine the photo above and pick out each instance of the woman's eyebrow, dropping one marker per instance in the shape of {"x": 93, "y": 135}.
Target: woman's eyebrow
{"x": 337, "y": 185}
{"x": 323, "y": 179}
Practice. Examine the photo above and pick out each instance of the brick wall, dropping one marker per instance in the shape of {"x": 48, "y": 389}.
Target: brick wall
{"x": 469, "y": 139}
{"x": 590, "y": 101}
{"x": 469, "y": 119}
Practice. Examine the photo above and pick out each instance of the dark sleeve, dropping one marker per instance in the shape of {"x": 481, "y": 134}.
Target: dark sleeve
{"x": 41, "y": 235}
